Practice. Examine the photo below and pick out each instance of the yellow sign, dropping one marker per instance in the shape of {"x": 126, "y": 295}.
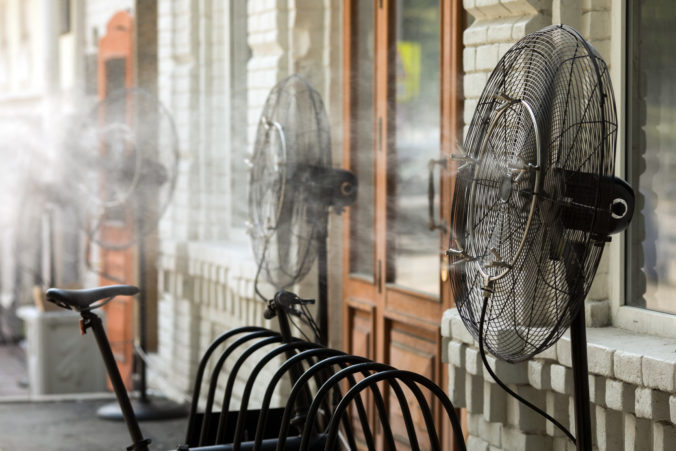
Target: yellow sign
{"x": 408, "y": 71}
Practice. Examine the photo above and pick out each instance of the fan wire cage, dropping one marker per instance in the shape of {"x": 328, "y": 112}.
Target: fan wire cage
{"x": 542, "y": 138}
{"x": 288, "y": 217}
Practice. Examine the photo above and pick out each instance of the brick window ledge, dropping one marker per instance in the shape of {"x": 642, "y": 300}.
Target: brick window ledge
{"x": 226, "y": 262}
{"x": 632, "y": 381}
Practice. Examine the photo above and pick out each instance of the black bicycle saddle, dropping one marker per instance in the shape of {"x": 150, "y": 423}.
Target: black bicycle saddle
{"x": 80, "y": 300}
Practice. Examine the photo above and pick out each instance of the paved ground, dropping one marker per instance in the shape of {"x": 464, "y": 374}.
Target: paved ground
{"x": 29, "y": 426}
{"x": 13, "y": 376}
{"x": 65, "y": 424}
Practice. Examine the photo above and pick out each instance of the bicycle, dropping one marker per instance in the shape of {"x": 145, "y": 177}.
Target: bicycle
{"x": 320, "y": 421}
{"x": 85, "y": 301}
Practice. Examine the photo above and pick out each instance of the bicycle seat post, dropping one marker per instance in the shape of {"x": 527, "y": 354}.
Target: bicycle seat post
{"x": 92, "y": 320}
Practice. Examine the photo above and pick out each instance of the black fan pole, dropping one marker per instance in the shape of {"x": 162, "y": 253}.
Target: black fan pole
{"x": 145, "y": 408}
{"x": 322, "y": 307}
{"x": 578, "y": 347}
{"x": 142, "y": 313}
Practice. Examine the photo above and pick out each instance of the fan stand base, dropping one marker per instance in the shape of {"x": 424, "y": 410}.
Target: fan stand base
{"x": 150, "y": 409}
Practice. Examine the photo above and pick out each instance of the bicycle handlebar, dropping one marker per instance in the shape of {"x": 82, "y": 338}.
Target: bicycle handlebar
{"x": 286, "y": 301}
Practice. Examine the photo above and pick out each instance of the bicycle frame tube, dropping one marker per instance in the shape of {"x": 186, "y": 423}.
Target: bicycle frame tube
{"x": 91, "y": 320}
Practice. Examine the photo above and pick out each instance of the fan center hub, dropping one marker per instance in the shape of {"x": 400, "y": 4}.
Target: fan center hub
{"x": 505, "y": 189}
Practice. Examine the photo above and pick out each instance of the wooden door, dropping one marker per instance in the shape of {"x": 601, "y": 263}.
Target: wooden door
{"x": 402, "y": 108}
{"x": 115, "y": 72}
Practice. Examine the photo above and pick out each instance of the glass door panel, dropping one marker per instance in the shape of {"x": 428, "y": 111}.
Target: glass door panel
{"x": 413, "y": 248}
{"x": 362, "y": 161}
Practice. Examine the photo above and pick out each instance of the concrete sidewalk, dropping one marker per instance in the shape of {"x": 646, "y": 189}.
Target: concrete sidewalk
{"x": 73, "y": 425}
{"x": 65, "y": 422}
{"x": 13, "y": 377}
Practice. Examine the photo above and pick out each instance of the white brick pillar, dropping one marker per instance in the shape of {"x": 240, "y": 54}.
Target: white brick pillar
{"x": 497, "y": 26}
{"x": 303, "y": 37}
{"x": 286, "y": 37}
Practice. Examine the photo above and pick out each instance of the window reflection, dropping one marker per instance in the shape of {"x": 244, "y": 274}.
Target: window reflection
{"x": 652, "y": 156}
{"x": 361, "y": 212}
{"x": 415, "y": 248}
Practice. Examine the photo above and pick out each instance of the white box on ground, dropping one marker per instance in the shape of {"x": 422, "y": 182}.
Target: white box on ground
{"x": 59, "y": 359}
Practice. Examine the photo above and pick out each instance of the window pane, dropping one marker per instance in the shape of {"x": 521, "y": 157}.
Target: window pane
{"x": 416, "y": 248}
{"x": 652, "y": 155}
{"x": 361, "y": 213}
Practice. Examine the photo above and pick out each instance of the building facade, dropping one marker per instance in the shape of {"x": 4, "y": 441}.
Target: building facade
{"x": 400, "y": 81}
{"x": 631, "y": 371}
{"x": 217, "y": 63}
{"x": 629, "y": 312}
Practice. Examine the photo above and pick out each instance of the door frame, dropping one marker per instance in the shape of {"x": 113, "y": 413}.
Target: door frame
{"x": 119, "y": 265}
{"x": 379, "y": 303}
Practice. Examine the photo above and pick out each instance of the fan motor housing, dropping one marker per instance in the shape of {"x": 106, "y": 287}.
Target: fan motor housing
{"x": 609, "y": 214}
{"x": 341, "y": 187}
{"x": 333, "y": 187}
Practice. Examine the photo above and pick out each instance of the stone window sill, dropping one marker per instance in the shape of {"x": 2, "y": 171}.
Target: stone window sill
{"x": 630, "y": 361}
{"x": 230, "y": 263}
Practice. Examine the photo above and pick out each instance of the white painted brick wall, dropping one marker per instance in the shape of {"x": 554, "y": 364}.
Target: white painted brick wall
{"x": 206, "y": 286}
{"x": 539, "y": 374}
{"x": 514, "y": 439}
{"x": 556, "y": 406}
{"x": 625, "y": 414}
{"x": 456, "y": 352}
{"x": 473, "y": 363}
{"x": 474, "y": 393}
{"x": 637, "y": 434}
{"x": 563, "y": 351}
{"x": 562, "y": 379}
{"x": 597, "y": 390}
{"x": 620, "y": 396}
{"x": 628, "y": 373}
{"x": 609, "y": 429}
{"x": 627, "y": 367}
{"x": 509, "y": 373}
{"x": 659, "y": 372}
{"x": 495, "y": 403}
{"x": 457, "y": 385}
{"x": 521, "y": 416}
{"x": 600, "y": 360}
{"x": 651, "y": 404}
{"x": 664, "y": 436}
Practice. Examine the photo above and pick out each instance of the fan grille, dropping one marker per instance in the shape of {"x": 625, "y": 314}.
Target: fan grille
{"x": 123, "y": 167}
{"x": 540, "y": 271}
{"x": 288, "y": 216}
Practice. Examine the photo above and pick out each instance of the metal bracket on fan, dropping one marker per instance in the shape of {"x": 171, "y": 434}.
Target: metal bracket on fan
{"x": 460, "y": 252}
{"x": 269, "y": 229}
{"x": 487, "y": 288}
{"x": 505, "y": 101}
{"x": 518, "y": 171}
{"x": 464, "y": 158}
{"x": 498, "y": 262}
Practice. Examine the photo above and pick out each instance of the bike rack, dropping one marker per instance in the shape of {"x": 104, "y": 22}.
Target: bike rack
{"x": 193, "y": 419}
{"x": 299, "y": 425}
{"x": 323, "y": 388}
{"x": 412, "y": 380}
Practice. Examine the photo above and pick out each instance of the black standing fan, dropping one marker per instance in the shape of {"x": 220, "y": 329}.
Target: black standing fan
{"x": 126, "y": 176}
{"x": 291, "y": 187}
{"x": 127, "y": 168}
{"x": 535, "y": 203}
